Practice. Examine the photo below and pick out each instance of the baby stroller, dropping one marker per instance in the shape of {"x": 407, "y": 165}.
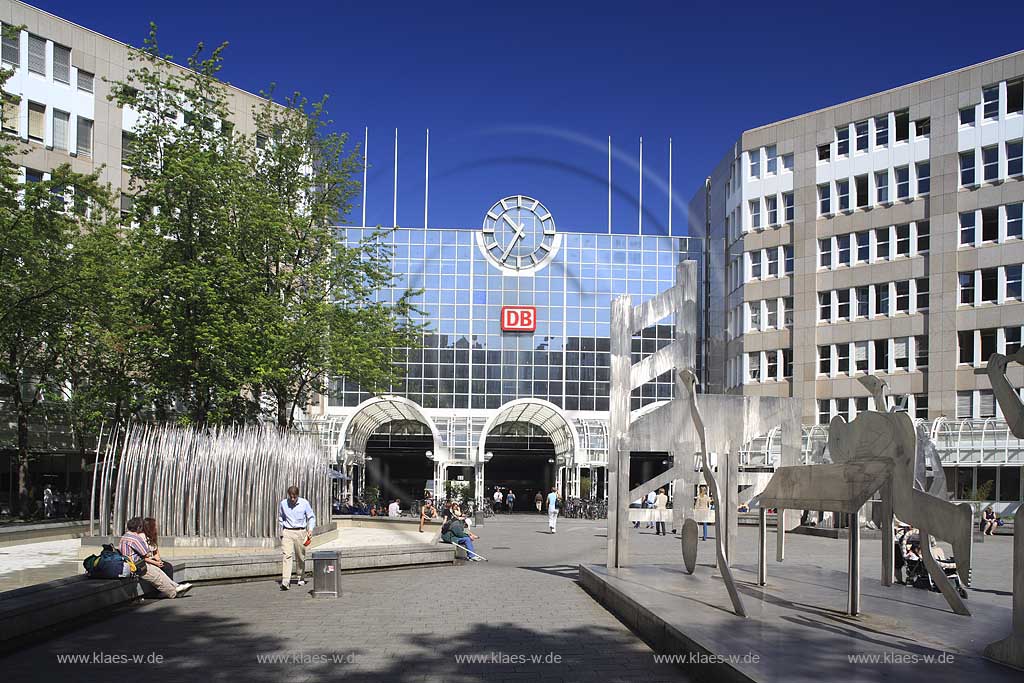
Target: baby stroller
{"x": 917, "y": 573}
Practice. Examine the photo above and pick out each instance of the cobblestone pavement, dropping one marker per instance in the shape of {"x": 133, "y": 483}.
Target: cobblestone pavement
{"x": 420, "y": 624}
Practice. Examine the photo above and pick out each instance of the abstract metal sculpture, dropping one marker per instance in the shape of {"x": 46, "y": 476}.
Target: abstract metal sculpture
{"x": 221, "y": 483}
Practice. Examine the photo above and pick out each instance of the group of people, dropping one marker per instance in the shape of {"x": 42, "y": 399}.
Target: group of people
{"x": 59, "y": 505}
{"x": 140, "y": 544}
{"x": 658, "y": 500}
{"x": 503, "y": 499}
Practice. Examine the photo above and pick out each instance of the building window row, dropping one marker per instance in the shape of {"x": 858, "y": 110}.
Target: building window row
{"x": 989, "y": 285}
{"x": 849, "y": 408}
{"x": 872, "y": 301}
{"x": 864, "y": 191}
{"x": 991, "y": 107}
{"x": 773, "y": 162}
{"x": 770, "y": 211}
{"x": 873, "y": 133}
{"x": 994, "y": 224}
{"x": 768, "y": 314}
{"x": 987, "y": 165}
{"x": 60, "y": 127}
{"x": 61, "y": 70}
{"x": 762, "y": 264}
{"x": 768, "y": 366}
{"x": 874, "y": 246}
{"x": 976, "y": 405}
{"x": 975, "y": 347}
{"x": 906, "y": 354}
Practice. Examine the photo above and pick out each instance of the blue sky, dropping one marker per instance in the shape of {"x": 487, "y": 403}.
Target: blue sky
{"x": 520, "y": 98}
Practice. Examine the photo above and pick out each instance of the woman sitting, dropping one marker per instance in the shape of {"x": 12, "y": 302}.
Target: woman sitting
{"x": 989, "y": 521}
{"x": 427, "y": 511}
{"x": 149, "y": 529}
{"x": 135, "y": 546}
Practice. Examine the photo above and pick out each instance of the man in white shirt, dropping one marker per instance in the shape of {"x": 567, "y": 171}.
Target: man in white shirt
{"x": 395, "y": 509}
{"x": 498, "y": 497}
{"x": 297, "y": 520}
{"x": 552, "y": 510}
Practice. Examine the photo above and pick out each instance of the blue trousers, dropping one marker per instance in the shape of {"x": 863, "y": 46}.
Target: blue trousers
{"x": 466, "y": 542}
{"x": 705, "y": 531}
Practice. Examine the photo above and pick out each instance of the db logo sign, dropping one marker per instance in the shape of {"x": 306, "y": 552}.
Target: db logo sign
{"x": 518, "y": 318}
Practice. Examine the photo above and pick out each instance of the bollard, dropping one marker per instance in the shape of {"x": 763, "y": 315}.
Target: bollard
{"x": 326, "y": 577}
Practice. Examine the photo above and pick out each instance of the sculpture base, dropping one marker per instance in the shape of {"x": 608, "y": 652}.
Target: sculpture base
{"x": 797, "y": 629}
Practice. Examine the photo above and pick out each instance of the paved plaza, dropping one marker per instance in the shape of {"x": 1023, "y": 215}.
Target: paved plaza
{"x": 423, "y": 624}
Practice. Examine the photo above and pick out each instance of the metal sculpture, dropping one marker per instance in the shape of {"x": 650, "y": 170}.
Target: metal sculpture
{"x": 219, "y": 483}
{"x": 690, "y": 382}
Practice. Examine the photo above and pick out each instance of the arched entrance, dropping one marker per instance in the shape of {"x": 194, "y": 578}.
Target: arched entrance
{"x": 390, "y": 436}
{"x": 527, "y": 446}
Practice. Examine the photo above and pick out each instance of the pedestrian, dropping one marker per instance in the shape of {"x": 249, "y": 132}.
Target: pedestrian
{"x": 297, "y": 521}
{"x": 554, "y": 503}
{"x": 48, "y": 501}
{"x": 497, "y": 498}
{"x": 702, "y": 509}
{"x": 427, "y": 511}
{"x": 135, "y": 547}
{"x": 538, "y": 501}
{"x": 651, "y": 497}
{"x": 152, "y": 534}
{"x": 457, "y": 534}
{"x": 395, "y": 508}
{"x": 510, "y": 501}
{"x": 660, "y": 507}
{"x": 638, "y": 503}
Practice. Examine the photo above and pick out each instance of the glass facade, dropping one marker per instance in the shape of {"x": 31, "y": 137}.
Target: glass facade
{"x": 468, "y": 362}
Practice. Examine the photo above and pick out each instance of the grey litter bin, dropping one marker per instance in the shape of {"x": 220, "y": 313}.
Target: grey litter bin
{"x": 326, "y": 577}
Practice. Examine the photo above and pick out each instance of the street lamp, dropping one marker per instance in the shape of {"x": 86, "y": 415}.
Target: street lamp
{"x": 487, "y": 456}
{"x": 430, "y": 455}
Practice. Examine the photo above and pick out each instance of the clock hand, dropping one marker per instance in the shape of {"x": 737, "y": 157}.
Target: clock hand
{"x": 519, "y": 229}
{"x": 508, "y": 250}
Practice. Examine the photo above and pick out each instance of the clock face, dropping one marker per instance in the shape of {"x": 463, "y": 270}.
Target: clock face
{"x": 519, "y": 232}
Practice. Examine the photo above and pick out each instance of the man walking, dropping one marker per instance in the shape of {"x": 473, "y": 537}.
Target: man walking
{"x": 553, "y": 505}
{"x": 538, "y": 500}
{"x": 297, "y": 521}
{"x": 660, "y": 509}
{"x": 497, "y": 499}
{"x": 510, "y": 501}
{"x": 651, "y": 497}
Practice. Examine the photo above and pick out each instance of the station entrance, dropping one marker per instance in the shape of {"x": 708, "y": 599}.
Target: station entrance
{"x": 396, "y": 462}
{"x": 523, "y": 461}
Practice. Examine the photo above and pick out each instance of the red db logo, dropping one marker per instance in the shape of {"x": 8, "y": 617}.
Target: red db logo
{"x": 518, "y": 318}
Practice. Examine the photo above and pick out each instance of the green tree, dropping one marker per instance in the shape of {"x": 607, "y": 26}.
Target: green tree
{"x": 323, "y": 317}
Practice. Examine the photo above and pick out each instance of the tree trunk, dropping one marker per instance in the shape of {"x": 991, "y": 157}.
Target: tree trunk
{"x": 25, "y": 502}
{"x": 283, "y": 414}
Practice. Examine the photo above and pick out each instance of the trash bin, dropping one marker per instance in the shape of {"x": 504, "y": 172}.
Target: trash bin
{"x": 326, "y": 577}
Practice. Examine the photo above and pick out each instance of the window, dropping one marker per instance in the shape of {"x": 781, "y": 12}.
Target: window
{"x": 1012, "y": 337}
{"x": 843, "y": 141}
{"x": 882, "y": 243}
{"x": 861, "y": 187}
{"x": 902, "y": 125}
{"x": 990, "y": 163}
{"x": 84, "y": 137}
{"x": 882, "y": 130}
{"x": 755, "y": 213}
{"x": 62, "y": 64}
{"x": 923, "y": 236}
{"x": 825, "y": 253}
{"x": 787, "y": 311}
{"x": 922, "y": 293}
{"x": 788, "y": 254}
{"x": 788, "y": 206}
{"x": 787, "y": 363}
{"x": 967, "y": 168}
{"x": 843, "y": 304}
{"x": 861, "y": 130}
{"x": 863, "y": 246}
{"x": 990, "y": 102}
{"x": 771, "y": 203}
{"x": 988, "y": 344}
{"x": 755, "y": 316}
{"x": 901, "y": 353}
{"x": 843, "y": 190}
{"x": 882, "y": 186}
{"x": 824, "y": 152}
{"x": 824, "y": 360}
{"x": 967, "y": 224}
{"x": 903, "y": 239}
{"x": 903, "y": 296}
{"x": 824, "y": 412}
{"x": 86, "y": 81}
{"x": 824, "y": 306}
{"x": 989, "y": 285}
{"x": 771, "y": 160}
{"x": 882, "y": 299}
{"x": 36, "y": 55}
{"x": 967, "y": 287}
{"x": 924, "y": 171}
{"x": 967, "y": 116}
{"x": 755, "y": 163}
{"x": 863, "y": 296}
{"x": 1013, "y": 282}
{"x": 772, "y": 371}
{"x": 772, "y": 317}
{"x": 964, "y": 405}
{"x": 1013, "y": 220}
{"x": 824, "y": 200}
{"x": 1015, "y": 96}
{"x": 11, "y": 51}
{"x": 11, "y": 114}
{"x": 986, "y": 404}
{"x": 882, "y": 355}
{"x": 127, "y": 206}
{"x": 755, "y": 265}
{"x": 902, "y": 182}
{"x": 61, "y": 123}
{"x": 843, "y": 358}
{"x": 1013, "y": 158}
{"x": 261, "y": 141}
{"x": 990, "y": 224}
{"x": 843, "y": 249}
{"x": 921, "y": 352}
{"x": 860, "y": 356}
{"x": 33, "y": 176}
{"x": 127, "y": 147}
{"x": 773, "y": 261}
{"x": 787, "y": 162}
{"x": 922, "y": 127}
{"x": 36, "y": 121}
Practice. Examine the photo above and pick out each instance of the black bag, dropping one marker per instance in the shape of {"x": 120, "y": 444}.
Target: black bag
{"x": 109, "y": 564}
{"x": 558, "y": 503}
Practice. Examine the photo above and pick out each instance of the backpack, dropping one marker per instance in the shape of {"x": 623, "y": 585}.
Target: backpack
{"x": 109, "y": 564}
{"x": 558, "y": 503}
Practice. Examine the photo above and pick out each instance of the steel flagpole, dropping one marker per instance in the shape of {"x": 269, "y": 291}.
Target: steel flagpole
{"x": 640, "y": 205}
{"x": 670, "y": 187}
{"x": 366, "y": 143}
{"x": 426, "y": 180}
{"x": 394, "y": 204}
{"x": 609, "y": 184}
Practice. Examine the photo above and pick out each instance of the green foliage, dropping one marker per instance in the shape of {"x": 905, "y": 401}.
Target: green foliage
{"x": 983, "y": 492}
